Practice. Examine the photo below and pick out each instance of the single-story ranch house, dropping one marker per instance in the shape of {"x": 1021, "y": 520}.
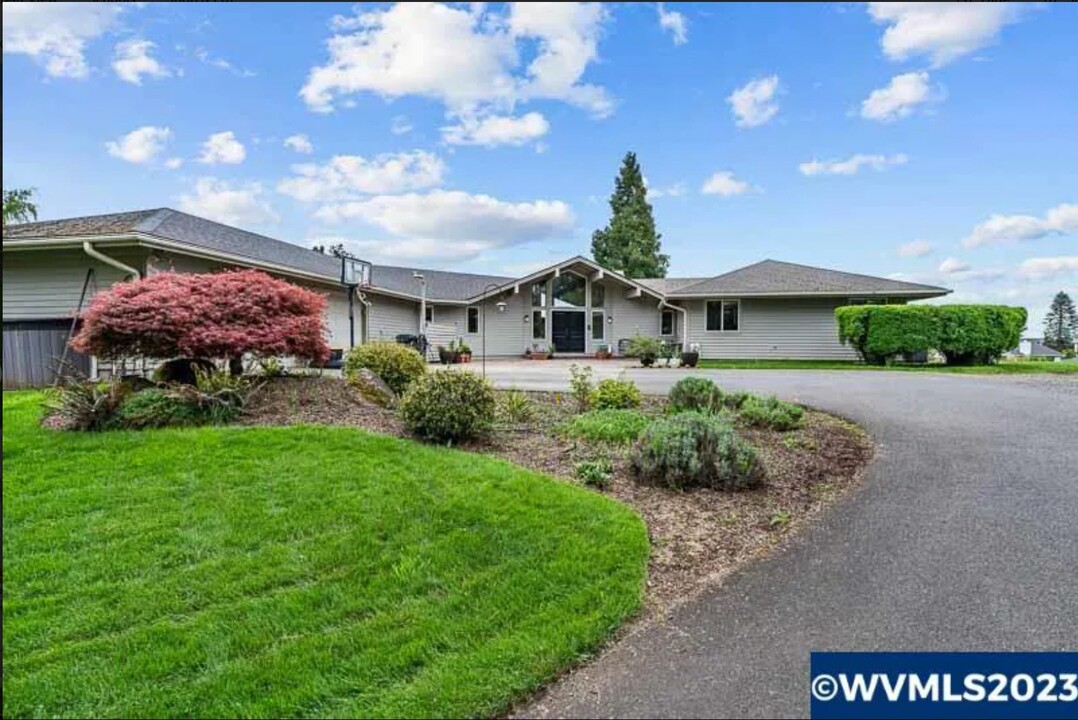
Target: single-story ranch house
{"x": 767, "y": 310}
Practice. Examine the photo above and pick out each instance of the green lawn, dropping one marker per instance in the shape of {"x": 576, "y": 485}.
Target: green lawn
{"x": 293, "y": 572}
{"x": 1001, "y": 368}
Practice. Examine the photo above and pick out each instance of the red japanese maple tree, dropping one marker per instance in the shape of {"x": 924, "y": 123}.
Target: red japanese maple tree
{"x": 215, "y": 315}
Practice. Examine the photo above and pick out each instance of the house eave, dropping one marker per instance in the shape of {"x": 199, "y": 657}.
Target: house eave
{"x": 910, "y": 294}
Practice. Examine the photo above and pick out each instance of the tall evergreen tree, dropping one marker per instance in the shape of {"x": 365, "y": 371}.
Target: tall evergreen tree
{"x": 629, "y": 243}
{"x": 1061, "y": 323}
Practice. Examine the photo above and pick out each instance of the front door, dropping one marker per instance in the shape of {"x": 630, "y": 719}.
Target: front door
{"x": 567, "y": 331}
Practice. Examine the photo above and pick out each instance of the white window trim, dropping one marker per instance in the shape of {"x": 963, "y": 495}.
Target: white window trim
{"x": 546, "y": 323}
{"x": 478, "y": 320}
{"x": 591, "y": 323}
{"x": 430, "y": 311}
{"x": 722, "y": 329}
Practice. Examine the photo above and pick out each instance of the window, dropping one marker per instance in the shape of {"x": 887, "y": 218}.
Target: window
{"x": 430, "y": 314}
{"x": 723, "y": 315}
{"x": 666, "y": 325}
{"x": 538, "y": 324}
{"x": 598, "y": 322}
{"x": 598, "y": 295}
{"x": 569, "y": 289}
{"x": 473, "y": 319}
{"x": 539, "y": 294}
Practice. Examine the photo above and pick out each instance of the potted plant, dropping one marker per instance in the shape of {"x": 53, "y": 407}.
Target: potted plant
{"x": 644, "y": 348}
{"x": 538, "y": 351}
{"x": 690, "y": 357}
{"x": 465, "y": 352}
{"x": 449, "y": 355}
{"x": 602, "y": 352}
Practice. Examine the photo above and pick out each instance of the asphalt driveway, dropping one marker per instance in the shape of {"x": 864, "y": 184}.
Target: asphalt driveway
{"x": 964, "y": 537}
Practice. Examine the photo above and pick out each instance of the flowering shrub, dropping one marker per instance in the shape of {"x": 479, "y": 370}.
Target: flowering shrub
{"x": 213, "y": 315}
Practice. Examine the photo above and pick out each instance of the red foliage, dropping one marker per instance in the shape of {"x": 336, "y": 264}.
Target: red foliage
{"x": 216, "y": 315}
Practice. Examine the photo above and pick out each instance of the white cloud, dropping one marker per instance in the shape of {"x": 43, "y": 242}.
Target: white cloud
{"x": 174, "y": 163}
{"x": 754, "y": 103}
{"x": 1049, "y": 267}
{"x": 900, "y": 98}
{"x": 676, "y": 190}
{"x": 465, "y": 57}
{"x": 453, "y": 223}
{"x": 400, "y": 125}
{"x": 953, "y": 265}
{"x": 230, "y": 204}
{"x": 204, "y": 57}
{"x": 1001, "y": 229}
{"x": 941, "y": 31}
{"x": 140, "y": 146}
{"x": 345, "y": 176}
{"x": 494, "y": 130}
{"x": 916, "y": 248}
{"x": 132, "y": 61}
{"x": 222, "y": 147}
{"x": 725, "y": 184}
{"x": 675, "y": 22}
{"x": 55, "y": 33}
{"x": 300, "y": 143}
{"x": 851, "y": 165}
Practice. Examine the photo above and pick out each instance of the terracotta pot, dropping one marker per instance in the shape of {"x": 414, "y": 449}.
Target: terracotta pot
{"x": 539, "y": 356}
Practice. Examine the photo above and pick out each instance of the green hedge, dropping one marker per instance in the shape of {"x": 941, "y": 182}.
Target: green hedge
{"x": 964, "y": 334}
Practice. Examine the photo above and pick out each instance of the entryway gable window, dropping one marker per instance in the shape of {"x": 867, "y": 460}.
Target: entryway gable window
{"x": 723, "y": 315}
{"x": 569, "y": 290}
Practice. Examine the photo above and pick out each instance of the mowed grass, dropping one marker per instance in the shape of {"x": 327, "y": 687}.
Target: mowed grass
{"x": 308, "y": 571}
{"x": 1001, "y": 368}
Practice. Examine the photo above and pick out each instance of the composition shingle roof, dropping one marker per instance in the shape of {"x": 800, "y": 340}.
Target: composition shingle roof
{"x": 441, "y": 284}
{"x": 782, "y": 278}
{"x": 186, "y": 229}
{"x": 769, "y": 277}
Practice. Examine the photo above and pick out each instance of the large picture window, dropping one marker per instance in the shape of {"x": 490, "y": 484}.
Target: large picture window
{"x": 598, "y": 295}
{"x": 473, "y": 320}
{"x": 569, "y": 290}
{"x": 538, "y": 324}
{"x": 723, "y": 315}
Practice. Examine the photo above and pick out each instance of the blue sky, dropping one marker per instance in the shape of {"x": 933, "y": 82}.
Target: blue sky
{"x": 932, "y": 142}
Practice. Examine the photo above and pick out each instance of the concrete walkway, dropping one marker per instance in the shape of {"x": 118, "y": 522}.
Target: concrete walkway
{"x": 964, "y": 537}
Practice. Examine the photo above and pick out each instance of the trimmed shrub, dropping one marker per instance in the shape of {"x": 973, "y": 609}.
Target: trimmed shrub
{"x": 158, "y": 408}
{"x": 613, "y": 426}
{"x": 611, "y": 394}
{"x": 595, "y": 473}
{"x": 734, "y": 400}
{"x": 770, "y": 412}
{"x": 694, "y": 449}
{"x": 695, "y": 394}
{"x": 448, "y": 406}
{"x": 964, "y": 334}
{"x": 398, "y": 365}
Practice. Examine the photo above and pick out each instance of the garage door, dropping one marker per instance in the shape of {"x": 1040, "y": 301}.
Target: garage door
{"x": 32, "y": 352}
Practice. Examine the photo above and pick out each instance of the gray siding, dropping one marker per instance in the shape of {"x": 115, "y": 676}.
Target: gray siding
{"x": 45, "y": 284}
{"x": 632, "y": 316}
{"x": 391, "y": 317}
{"x": 796, "y": 328}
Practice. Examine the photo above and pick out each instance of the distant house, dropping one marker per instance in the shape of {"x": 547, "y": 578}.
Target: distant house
{"x": 1035, "y": 349}
{"x": 769, "y": 309}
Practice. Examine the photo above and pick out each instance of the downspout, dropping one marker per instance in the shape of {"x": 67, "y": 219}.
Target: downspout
{"x": 684, "y": 322}
{"x": 93, "y": 252}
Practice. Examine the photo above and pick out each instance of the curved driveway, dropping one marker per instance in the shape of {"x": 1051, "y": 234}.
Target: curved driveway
{"x": 963, "y": 537}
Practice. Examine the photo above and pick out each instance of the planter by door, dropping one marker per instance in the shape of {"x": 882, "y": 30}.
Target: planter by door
{"x": 568, "y": 331}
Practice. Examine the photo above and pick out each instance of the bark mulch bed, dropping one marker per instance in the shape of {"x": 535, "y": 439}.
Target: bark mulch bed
{"x": 698, "y": 537}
